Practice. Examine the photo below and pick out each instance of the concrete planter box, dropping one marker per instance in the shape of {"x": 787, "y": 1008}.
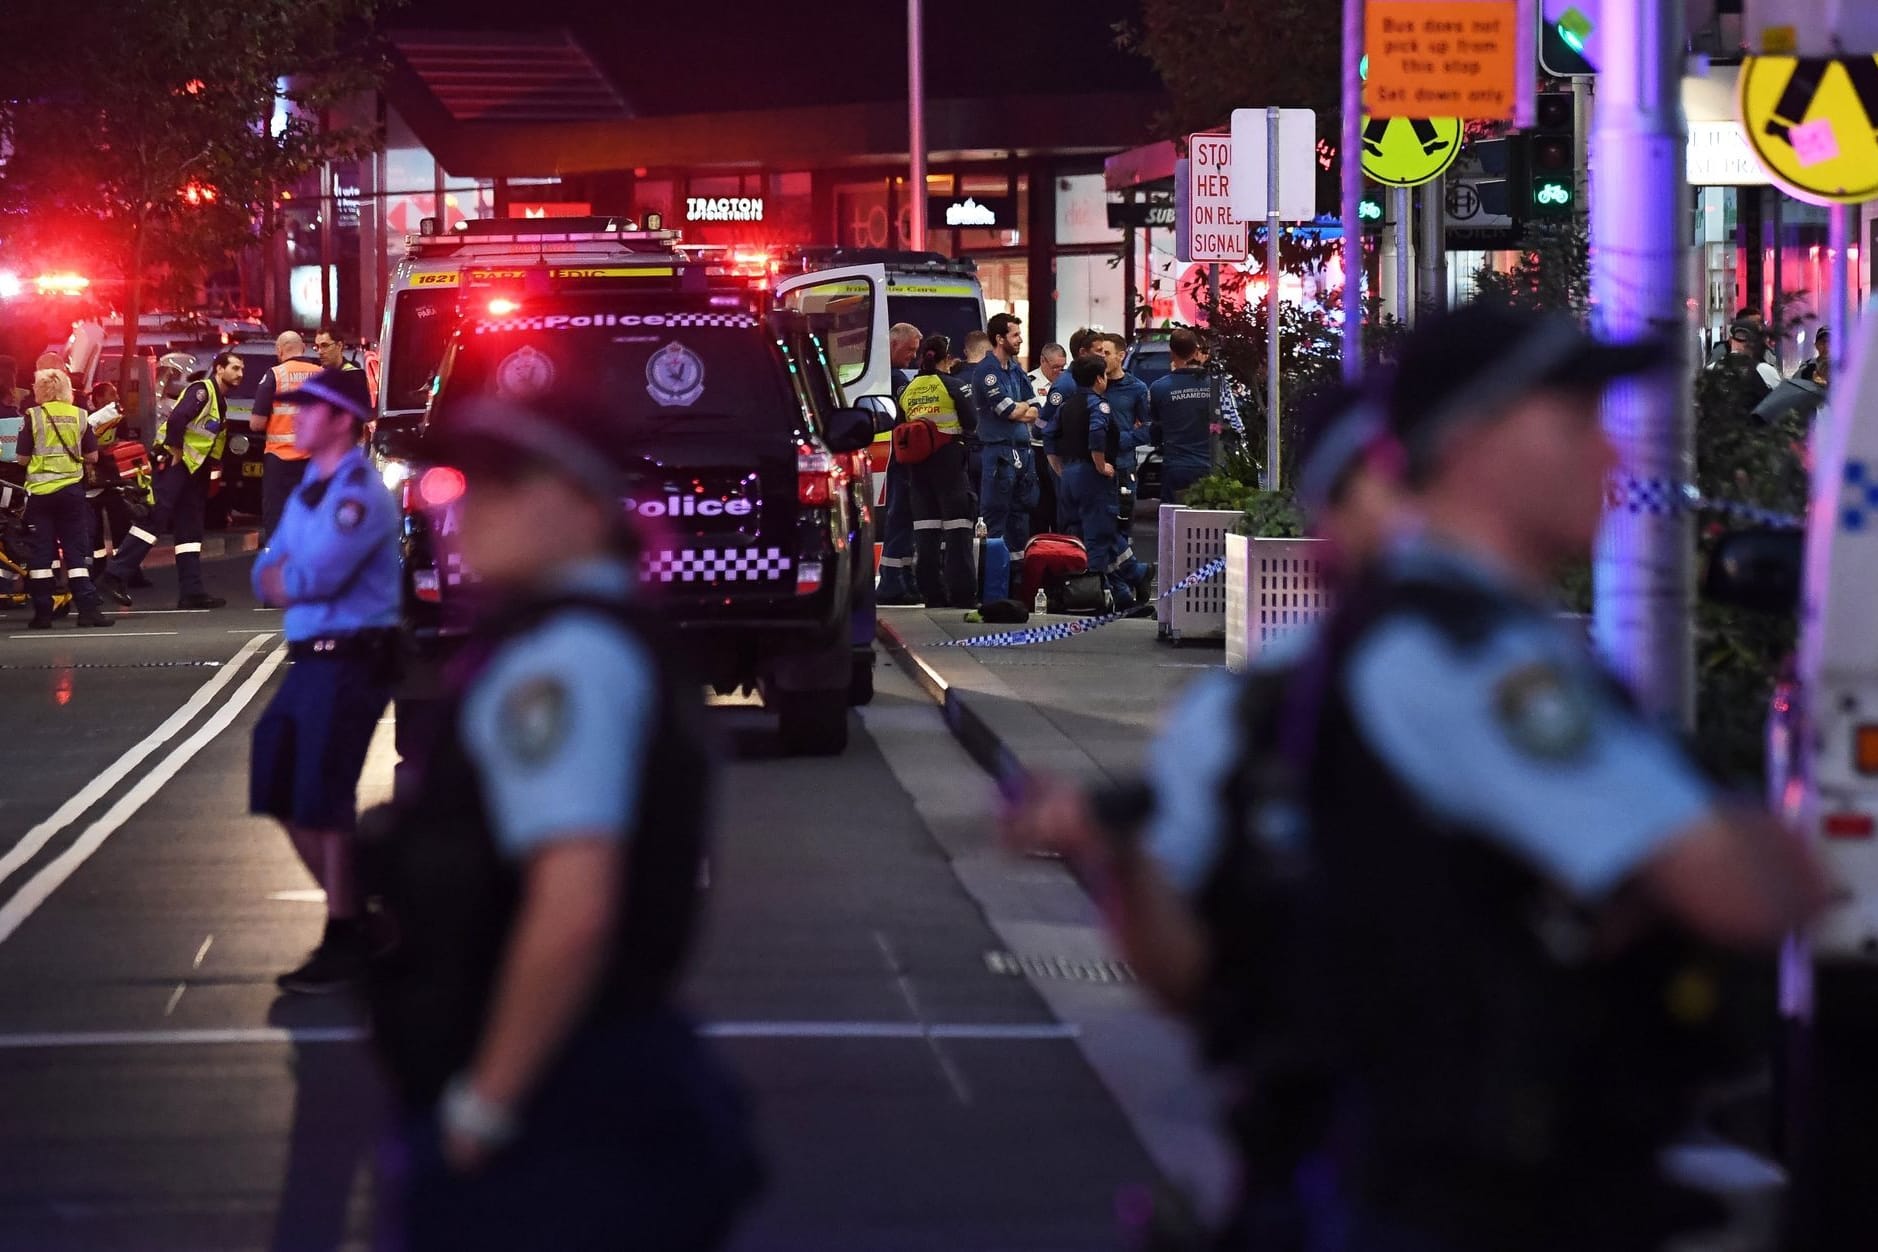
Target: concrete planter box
{"x": 1273, "y": 588}
{"x": 1189, "y": 538}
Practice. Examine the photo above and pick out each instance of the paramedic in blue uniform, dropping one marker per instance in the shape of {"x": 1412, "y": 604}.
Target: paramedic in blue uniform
{"x": 1181, "y": 413}
{"x": 1088, "y": 439}
{"x": 897, "y": 584}
{"x": 191, "y": 439}
{"x": 1128, "y": 398}
{"x": 1081, "y": 344}
{"x": 543, "y": 878}
{"x": 332, "y": 564}
{"x": 1006, "y": 412}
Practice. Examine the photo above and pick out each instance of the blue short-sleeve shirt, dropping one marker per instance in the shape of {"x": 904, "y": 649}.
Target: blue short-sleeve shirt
{"x": 557, "y": 723}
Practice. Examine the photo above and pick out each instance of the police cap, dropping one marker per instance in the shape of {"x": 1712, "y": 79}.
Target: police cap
{"x": 1472, "y": 364}
{"x": 1340, "y": 424}
{"x": 345, "y": 390}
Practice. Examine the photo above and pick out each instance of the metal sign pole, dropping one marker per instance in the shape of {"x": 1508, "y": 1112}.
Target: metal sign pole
{"x": 1271, "y": 476}
{"x": 1839, "y": 314}
{"x": 1643, "y": 578}
{"x": 1351, "y": 146}
{"x": 1404, "y": 256}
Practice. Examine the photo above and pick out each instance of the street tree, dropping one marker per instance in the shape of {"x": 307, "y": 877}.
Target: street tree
{"x": 153, "y": 142}
{"x": 1215, "y": 57}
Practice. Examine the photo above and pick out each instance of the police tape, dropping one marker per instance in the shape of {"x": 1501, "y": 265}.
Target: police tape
{"x": 1662, "y": 496}
{"x": 1083, "y": 625}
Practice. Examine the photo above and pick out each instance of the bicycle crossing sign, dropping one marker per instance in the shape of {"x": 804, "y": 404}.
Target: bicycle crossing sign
{"x": 1813, "y": 124}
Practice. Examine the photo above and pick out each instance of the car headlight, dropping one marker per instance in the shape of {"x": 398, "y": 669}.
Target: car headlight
{"x": 238, "y": 444}
{"x": 394, "y": 473}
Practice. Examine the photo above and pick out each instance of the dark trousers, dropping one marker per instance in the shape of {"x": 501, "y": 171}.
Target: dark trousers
{"x": 1175, "y": 479}
{"x": 896, "y": 541}
{"x": 942, "y": 529}
{"x": 1096, "y": 498}
{"x": 59, "y": 521}
{"x": 280, "y": 478}
{"x": 110, "y": 516}
{"x": 181, "y": 498}
{"x": 1010, "y": 479}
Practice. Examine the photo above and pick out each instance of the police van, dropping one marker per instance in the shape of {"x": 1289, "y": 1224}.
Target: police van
{"x": 761, "y": 531}
{"x": 865, "y": 291}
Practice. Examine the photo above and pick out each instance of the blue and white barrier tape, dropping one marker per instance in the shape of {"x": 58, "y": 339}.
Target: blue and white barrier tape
{"x": 1082, "y": 625}
{"x": 1659, "y": 496}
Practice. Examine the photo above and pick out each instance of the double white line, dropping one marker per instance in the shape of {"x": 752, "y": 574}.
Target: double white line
{"x": 37, "y": 889}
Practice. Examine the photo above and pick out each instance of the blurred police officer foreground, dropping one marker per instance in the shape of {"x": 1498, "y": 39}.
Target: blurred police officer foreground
{"x": 542, "y": 875}
{"x": 1470, "y": 936}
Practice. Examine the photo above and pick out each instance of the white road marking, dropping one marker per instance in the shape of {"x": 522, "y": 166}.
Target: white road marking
{"x": 961, "y": 1090}
{"x": 176, "y": 997}
{"x": 69, "y": 635}
{"x": 250, "y": 630}
{"x": 95, "y": 790}
{"x": 315, "y": 896}
{"x": 202, "y": 951}
{"x": 1046, "y": 1032}
{"x": 40, "y": 886}
{"x": 155, "y": 612}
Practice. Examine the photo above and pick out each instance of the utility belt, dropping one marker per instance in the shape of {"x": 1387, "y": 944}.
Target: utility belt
{"x": 359, "y": 645}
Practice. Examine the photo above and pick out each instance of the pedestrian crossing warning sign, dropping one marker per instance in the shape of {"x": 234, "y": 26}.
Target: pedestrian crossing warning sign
{"x": 1813, "y": 123}
{"x": 1408, "y": 151}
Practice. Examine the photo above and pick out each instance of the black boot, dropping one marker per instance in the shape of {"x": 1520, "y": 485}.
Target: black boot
{"x": 111, "y": 585}
{"x": 201, "y": 600}
{"x": 336, "y": 964}
{"x": 92, "y": 615}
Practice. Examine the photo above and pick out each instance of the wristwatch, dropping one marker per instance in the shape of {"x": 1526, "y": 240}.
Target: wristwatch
{"x": 465, "y": 1113}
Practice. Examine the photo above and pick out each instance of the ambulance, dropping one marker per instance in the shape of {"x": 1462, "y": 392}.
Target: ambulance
{"x": 865, "y": 291}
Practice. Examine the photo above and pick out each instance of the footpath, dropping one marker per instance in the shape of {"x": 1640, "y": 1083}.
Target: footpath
{"x": 1086, "y": 708}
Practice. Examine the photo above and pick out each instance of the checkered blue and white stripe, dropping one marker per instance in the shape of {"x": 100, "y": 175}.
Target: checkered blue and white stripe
{"x": 1082, "y": 625}
{"x": 630, "y": 321}
{"x": 1660, "y": 497}
{"x": 714, "y": 565}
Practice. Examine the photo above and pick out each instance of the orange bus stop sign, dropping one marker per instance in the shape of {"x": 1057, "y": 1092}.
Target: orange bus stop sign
{"x": 1441, "y": 58}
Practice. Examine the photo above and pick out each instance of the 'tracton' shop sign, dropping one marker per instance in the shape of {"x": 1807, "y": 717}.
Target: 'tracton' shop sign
{"x": 724, "y": 209}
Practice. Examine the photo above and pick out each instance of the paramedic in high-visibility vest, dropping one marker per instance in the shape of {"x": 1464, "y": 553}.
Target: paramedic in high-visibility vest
{"x": 284, "y": 465}
{"x": 57, "y": 445}
{"x": 192, "y": 438}
{"x": 943, "y": 516}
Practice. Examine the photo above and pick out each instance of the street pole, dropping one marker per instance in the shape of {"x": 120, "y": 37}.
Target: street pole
{"x": 916, "y": 123}
{"x": 1271, "y": 476}
{"x": 1840, "y": 314}
{"x": 1431, "y": 246}
{"x": 1642, "y": 576}
{"x": 1404, "y": 255}
{"x": 1351, "y": 147}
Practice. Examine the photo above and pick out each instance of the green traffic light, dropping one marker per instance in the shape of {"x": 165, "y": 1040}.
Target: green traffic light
{"x": 1370, "y": 210}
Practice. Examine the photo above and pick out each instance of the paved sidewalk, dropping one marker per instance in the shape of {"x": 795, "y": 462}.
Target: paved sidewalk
{"x": 1085, "y": 706}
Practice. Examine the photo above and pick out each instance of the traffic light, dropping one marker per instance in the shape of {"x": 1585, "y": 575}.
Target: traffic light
{"x": 1552, "y": 157}
{"x": 1369, "y": 210}
{"x": 1568, "y": 38}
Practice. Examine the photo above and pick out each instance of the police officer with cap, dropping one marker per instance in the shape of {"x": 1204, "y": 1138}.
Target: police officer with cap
{"x": 1187, "y": 905}
{"x": 332, "y": 564}
{"x": 543, "y": 878}
{"x": 1520, "y": 895}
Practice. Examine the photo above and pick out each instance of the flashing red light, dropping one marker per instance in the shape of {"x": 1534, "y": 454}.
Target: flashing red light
{"x": 61, "y": 284}
{"x": 439, "y": 486}
{"x": 502, "y": 306}
{"x": 818, "y": 477}
{"x": 10, "y": 285}
{"x": 751, "y": 262}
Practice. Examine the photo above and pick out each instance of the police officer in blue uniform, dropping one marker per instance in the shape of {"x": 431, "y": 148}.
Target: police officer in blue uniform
{"x": 543, "y": 877}
{"x": 1181, "y": 413}
{"x": 1006, "y": 412}
{"x": 1444, "y": 867}
{"x": 332, "y": 564}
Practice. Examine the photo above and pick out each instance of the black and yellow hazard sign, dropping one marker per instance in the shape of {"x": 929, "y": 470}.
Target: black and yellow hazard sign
{"x": 1408, "y": 151}
{"x": 1813, "y": 122}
